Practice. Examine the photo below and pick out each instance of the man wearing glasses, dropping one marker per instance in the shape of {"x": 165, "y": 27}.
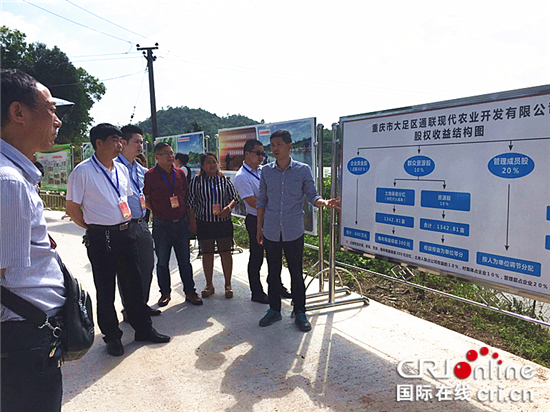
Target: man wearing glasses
{"x": 247, "y": 183}
{"x": 165, "y": 192}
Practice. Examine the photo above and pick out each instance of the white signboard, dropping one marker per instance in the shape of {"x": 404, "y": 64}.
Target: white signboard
{"x": 459, "y": 187}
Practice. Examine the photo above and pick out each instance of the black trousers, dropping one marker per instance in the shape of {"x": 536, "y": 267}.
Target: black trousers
{"x": 114, "y": 253}
{"x": 256, "y": 256}
{"x": 146, "y": 258}
{"x": 294, "y": 251}
{"x": 31, "y": 380}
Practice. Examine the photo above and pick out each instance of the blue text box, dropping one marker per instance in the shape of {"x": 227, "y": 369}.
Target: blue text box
{"x": 356, "y": 233}
{"x": 547, "y": 212}
{"x": 395, "y": 241}
{"x": 452, "y": 228}
{"x": 445, "y": 200}
{"x": 397, "y": 220}
{"x": 448, "y": 252}
{"x": 510, "y": 264}
{"x": 547, "y": 243}
{"x": 404, "y": 197}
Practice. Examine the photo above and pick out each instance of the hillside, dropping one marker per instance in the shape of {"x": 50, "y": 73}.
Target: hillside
{"x": 179, "y": 120}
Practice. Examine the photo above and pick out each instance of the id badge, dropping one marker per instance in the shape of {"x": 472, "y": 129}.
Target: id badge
{"x": 216, "y": 209}
{"x": 125, "y": 210}
{"x": 174, "y": 202}
{"x": 142, "y": 201}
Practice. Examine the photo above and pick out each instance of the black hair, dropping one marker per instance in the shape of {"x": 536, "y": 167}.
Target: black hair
{"x": 17, "y": 86}
{"x": 129, "y": 130}
{"x": 182, "y": 157}
{"x": 285, "y": 134}
{"x": 102, "y": 132}
{"x": 159, "y": 146}
{"x": 249, "y": 145}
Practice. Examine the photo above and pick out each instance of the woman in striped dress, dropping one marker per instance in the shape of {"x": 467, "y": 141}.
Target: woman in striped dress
{"x": 211, "y": 197}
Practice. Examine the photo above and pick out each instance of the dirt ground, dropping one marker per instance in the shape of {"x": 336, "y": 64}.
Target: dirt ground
{"x": 429, "y": 306}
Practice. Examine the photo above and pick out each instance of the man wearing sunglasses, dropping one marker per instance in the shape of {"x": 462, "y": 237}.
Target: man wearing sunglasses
{"x": 247, "y": 183}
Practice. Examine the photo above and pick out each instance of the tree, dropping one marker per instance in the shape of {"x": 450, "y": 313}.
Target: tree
{"x": 53, "y": 69}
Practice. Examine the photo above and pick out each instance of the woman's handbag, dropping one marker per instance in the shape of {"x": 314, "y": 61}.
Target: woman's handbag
{"x": 75, "y": 334}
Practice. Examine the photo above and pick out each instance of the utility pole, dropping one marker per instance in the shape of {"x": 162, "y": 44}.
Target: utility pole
{"x": 150, "y": 59}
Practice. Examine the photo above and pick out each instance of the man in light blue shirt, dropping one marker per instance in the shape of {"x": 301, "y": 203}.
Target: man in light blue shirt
{"x": 132, "y": 145}
{"x": 283, "y": 186}
{"x": 31, "y": 378}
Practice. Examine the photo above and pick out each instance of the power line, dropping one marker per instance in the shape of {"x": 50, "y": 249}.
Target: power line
{"x": 101, "y": 80}
{"x": 79, "y": 24}
{"x": 103, "y": 54}
{"x": 112, "y": 58}
{"x": 139, "y": 92}
{"x": 108, "y": 21}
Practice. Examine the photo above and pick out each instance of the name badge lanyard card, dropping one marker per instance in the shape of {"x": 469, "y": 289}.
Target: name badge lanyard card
{"x": 174, "y": 202}
{"x": 124, "y": 209}
{"x": 216, "y": 207}
{"x": 141, "y": 196}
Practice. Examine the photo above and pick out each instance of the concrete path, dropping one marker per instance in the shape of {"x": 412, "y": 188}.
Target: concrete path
{"x": 219, "y": 359}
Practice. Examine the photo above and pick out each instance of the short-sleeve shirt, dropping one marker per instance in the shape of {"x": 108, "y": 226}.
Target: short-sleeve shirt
{"x": 247, "y": 183}
{"x": 99, "y": 191}
{"x": 282, "y": 195}
{"x": 160, "y": 186}
{"x": 136, "y": 173}
{"x": 32, "y": 270}
{"x": 205, "y": 191}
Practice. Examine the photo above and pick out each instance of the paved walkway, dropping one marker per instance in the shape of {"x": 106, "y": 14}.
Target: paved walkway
{"x": 219, "y": 359}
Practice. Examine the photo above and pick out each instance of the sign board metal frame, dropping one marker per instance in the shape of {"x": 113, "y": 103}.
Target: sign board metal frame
{"x": 231, "y": 144}
{"x": 459, "y": 188}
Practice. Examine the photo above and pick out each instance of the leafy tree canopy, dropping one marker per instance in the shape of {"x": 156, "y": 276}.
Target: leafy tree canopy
{"x": 53, "y": 69}
{"x": 180, "y": 120}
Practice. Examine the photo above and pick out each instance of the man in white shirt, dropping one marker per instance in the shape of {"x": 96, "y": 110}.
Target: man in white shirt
{"x": 97, "y": 200}
{"x": 247, "y": 183}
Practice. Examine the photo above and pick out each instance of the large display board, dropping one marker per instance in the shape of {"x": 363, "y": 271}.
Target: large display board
{"x": 192, "y": 144}
{"x": 459, "y": 187}
{"x": 231, "y": 144}
{"x": 58, "y": 164}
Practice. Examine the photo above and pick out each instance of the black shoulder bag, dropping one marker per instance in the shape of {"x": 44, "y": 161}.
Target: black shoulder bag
{"x": 76, "y": 333}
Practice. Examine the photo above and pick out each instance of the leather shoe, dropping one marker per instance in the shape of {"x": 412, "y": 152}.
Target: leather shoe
{"x": 164, "y": 299}
{"x": 260, "y": 298}
{"x": 153, "y": 312}
{"x": 152, "y": 336}
{"x": 194, "y": 299}
{"x": 285, "y": 294}
{"x": 115, "y": 348}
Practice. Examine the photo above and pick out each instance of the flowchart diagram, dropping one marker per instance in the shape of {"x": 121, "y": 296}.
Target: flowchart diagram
{"x": 459, "y": 187}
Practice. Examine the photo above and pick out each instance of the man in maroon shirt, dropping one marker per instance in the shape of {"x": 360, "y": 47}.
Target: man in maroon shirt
{"x": 165, "y": 188}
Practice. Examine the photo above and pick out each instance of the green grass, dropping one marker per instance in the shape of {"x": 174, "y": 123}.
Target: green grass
{"x": 525, "y": 339}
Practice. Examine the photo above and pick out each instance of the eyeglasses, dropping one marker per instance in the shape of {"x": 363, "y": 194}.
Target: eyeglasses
{"x": 258, "y": 152}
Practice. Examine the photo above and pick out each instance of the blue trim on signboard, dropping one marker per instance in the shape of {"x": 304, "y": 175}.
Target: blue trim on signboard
{"x": 448, "y": 252}
{"x": 525, "y": 267}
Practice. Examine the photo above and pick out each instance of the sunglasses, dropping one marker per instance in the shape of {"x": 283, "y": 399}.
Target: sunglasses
{"x": 258, "y": 152}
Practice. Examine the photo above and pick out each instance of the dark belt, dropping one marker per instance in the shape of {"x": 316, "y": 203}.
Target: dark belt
{"x": 168, "y": 220}
{"x": 120, "y": 227}
{"x": 138, "y": 221}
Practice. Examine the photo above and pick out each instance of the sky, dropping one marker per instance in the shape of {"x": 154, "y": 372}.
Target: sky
{"x": 285, "y": 60}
